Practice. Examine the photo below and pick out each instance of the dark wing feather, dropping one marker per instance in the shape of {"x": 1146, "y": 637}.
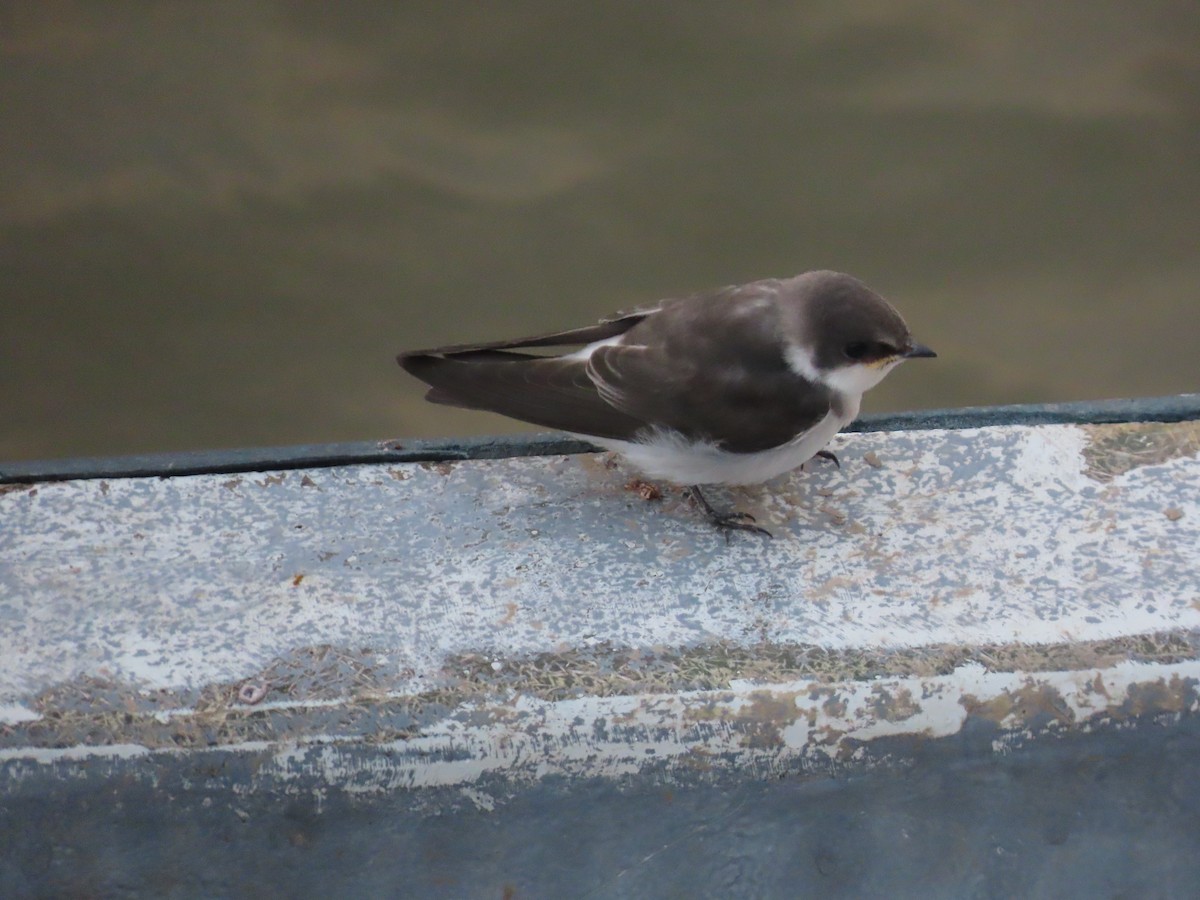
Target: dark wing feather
{"x": 743, "y": 410}
{"x": 548, "y": 391}
{"x": 711, "y": 367}
{"x": 601, "y": 331}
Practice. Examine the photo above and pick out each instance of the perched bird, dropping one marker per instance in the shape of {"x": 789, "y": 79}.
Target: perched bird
{"x": 732, "y": 386}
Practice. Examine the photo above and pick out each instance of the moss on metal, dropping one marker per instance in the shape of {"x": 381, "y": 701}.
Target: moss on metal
{"x": 1113, "y": 450}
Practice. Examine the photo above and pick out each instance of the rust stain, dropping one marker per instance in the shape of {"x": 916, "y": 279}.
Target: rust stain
{"x": 894, "y": 707}
{"x": 760, "y": 721}
{"x": 835, "y": 705}
{"x": 1161, "y": 696}
{"x": 828, "y": 736}
{"x": 510, "y": 613}
{"x": 1014, "y": 708}
{"x": 712, "y": 710}
{"x": 297, "y": 579}
{"x": 766, "y": 717}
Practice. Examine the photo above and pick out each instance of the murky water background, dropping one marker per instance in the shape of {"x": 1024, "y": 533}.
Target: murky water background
{"x": 219, "y": 222}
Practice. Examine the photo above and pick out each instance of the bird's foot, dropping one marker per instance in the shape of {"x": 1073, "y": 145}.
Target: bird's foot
{"x": 726, "y": 522}
{"x": 829, "y": 455}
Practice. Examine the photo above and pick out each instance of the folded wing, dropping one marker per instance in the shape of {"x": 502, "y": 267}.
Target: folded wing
{"x": 743, "y": 408}
{"x": 710, "y": 367}
{"x": 551, "y": 391}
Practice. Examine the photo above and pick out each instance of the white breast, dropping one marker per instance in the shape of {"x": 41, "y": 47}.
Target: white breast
{"x": 670, "y": 456}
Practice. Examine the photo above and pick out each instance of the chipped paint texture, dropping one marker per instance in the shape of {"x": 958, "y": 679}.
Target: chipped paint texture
{"x": 990, "y": 535}
{"x": 755, "y": 728}
{"x": 767, "y": 729}
{"x": 135, "y": 604}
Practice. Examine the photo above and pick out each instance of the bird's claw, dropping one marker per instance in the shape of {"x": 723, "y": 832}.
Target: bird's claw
{"x": 727, "y": 522}
{"x": 829, "y": 455}
{"x": 735, "y": 522}
{"x": 735, "y": 515}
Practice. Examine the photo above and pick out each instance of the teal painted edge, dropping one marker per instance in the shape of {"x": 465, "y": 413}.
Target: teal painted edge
{"x": 1174, "y": 408}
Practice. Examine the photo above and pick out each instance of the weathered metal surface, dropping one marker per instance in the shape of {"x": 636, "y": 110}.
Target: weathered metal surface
{"x": 490, "y": 642}
{"x": 974, "y": 536}
{"x": 1174, "y": 408}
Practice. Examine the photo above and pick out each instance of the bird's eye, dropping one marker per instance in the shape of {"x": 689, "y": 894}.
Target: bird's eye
{"x": 857, "y": 350}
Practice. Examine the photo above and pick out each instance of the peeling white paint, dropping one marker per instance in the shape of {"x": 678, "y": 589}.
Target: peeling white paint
{"x": 81, "y": 752}
{"x": 13, "y": 713}
{"x": 989, "y": 535}
{"x": 1051, "y": 456}
{"x": 750, "y": 728}
{"x": 615, "y": 736}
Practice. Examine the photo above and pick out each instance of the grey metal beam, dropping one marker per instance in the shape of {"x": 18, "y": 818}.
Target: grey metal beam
{"x": 1174, "y": 408}
{"x": 969, "y": 663}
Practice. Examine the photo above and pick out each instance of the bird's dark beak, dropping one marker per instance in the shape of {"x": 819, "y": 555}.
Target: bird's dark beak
{"x": 917, "y": 350}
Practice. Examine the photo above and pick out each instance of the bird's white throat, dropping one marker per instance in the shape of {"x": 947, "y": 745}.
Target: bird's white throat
{"x": 853, "y": 380}
{"x": 858, "y": 378}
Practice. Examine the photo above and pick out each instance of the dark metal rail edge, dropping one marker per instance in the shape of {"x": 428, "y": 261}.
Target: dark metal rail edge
{"x": 1174, "y": 408}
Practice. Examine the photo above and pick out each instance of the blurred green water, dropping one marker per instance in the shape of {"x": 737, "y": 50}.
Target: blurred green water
{"x": 219, "y": 222}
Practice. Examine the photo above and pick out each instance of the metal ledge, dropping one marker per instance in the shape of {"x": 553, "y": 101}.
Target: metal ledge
{"x": 1174, "y": 408}
{"x": 968, "y": 664}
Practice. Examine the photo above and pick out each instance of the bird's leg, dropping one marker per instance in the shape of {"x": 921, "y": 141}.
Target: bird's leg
{"x": 730, "y": 521}
{"x": 829, "y": 455}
